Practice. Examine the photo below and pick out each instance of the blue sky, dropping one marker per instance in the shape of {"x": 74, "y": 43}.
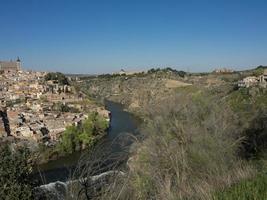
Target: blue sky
{"x": 84, "y": 36}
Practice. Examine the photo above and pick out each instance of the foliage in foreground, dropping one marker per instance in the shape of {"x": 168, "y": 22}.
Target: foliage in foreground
{"x": 16, "y": 167}
{"x": 193, "y": 149}
{"x": 190, "y": 151}
{"x": 194, "y": 146}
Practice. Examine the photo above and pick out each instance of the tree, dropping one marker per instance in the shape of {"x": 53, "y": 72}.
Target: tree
{"x": 59, "y": 77}
{"x": 69, "y": 141}
{"x": 16, "y": 170}
{"x": 83, "y": 135}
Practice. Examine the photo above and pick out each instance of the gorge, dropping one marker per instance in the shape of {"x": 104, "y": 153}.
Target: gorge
{"x": 122, "y": 123}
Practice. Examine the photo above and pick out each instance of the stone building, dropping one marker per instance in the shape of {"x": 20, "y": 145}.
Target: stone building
{"x": 10, "y": 66}
{"x": 263, "y": 77}
{"x": 253, "y": 80}
{"x": 248, "y": 81}
{"x": 223, "y": 71}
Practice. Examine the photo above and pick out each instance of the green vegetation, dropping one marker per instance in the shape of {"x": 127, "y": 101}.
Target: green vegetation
{"x": 203, "y": 141}
{"x": 261, "y": 67}
{"x": 166, "y": 70}
{"x": 109, "y": 76}
{"x": 140, "y": 74}
{"x": 83, "y": 135}
{"x": 61, "y": 107}
{"x": 11, "y": 103}
{"x": 198, "y": 146}
{"x": 199, "y": 140}
{"x": 255, "y": 188}
{"x": 58, "y": 77}
{"x": 16, "y": 167}
{"x": 247, "y": 102}
{"x": 189, "y": 152}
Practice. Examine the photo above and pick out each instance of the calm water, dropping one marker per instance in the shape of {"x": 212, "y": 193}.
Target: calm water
{"x": 121, "y": 123}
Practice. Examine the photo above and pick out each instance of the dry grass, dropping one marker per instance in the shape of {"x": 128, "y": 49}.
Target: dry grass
{"x": 175, "y": 83}
{"x": 189, "y": 153}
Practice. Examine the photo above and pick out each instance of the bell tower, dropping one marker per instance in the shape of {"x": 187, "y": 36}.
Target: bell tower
{"x": 18, "y": 64}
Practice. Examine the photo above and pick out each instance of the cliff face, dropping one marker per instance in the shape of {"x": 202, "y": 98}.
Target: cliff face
{"x": 137, "y": 93}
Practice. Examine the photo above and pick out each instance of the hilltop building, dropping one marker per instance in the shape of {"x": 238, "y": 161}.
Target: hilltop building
{"x": 248, "y": 81}
{"x": 263, "y": 77}
{"x": 223, "y": 71}
{"x": 10, "y": 66}
{"x": 253, "y": 80}
{"x": 122, "y": 72}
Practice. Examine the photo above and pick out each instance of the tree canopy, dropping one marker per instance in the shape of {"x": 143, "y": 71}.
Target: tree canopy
{"x": 84, "y": 134}
{"x": 57, "y": 76}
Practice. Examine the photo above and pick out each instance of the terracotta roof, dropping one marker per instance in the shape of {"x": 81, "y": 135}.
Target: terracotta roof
{"x": 12, "y": 114}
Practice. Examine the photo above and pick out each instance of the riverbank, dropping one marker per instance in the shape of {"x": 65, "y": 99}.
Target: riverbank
{"x": 121, "y": 124}
{"x": 76, "y": 138}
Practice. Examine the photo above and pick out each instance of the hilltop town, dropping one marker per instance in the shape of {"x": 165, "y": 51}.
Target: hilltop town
{"x": 38, "y": 106}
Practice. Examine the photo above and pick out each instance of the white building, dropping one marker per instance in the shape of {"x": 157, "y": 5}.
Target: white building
{"x": 248, "y": 81}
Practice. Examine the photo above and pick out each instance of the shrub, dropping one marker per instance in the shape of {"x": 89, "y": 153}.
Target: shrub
{"x": 190, "y": 151}
{"x": 16, "y": 168}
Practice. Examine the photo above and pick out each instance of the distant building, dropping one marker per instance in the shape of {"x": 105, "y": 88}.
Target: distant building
{"x": 263, "y": 77}
{"x": 10, "y": 66}
{"x": 248, "y": 81}
{"x": 122, "y": 72}
{"x": 254, "y": 81}
{"x": 223, "y": 71}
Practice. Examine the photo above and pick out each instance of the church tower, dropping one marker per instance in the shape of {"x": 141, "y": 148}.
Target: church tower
{"x": 18, "y": 64}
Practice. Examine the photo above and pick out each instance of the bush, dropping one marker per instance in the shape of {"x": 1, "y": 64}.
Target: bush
{"x": 190, "y": 152}
{"x": 63, "y": 107}
{"x": 16, "y": 169}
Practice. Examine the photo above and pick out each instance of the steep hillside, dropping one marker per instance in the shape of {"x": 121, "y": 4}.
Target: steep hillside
{"x": 143, "y": 91}
{"x": 201, "y": 134}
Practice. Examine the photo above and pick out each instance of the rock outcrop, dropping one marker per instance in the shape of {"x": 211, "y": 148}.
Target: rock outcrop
{"x": 62, "y": 190}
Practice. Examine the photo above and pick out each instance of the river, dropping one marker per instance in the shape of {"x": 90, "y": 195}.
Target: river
{"x": 122, "y": 123}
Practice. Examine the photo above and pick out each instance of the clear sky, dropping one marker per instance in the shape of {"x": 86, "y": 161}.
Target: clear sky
{"x": 84, "y": 36}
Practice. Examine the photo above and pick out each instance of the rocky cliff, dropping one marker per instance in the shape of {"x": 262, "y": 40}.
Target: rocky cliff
{"x": 136, "y": 92}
